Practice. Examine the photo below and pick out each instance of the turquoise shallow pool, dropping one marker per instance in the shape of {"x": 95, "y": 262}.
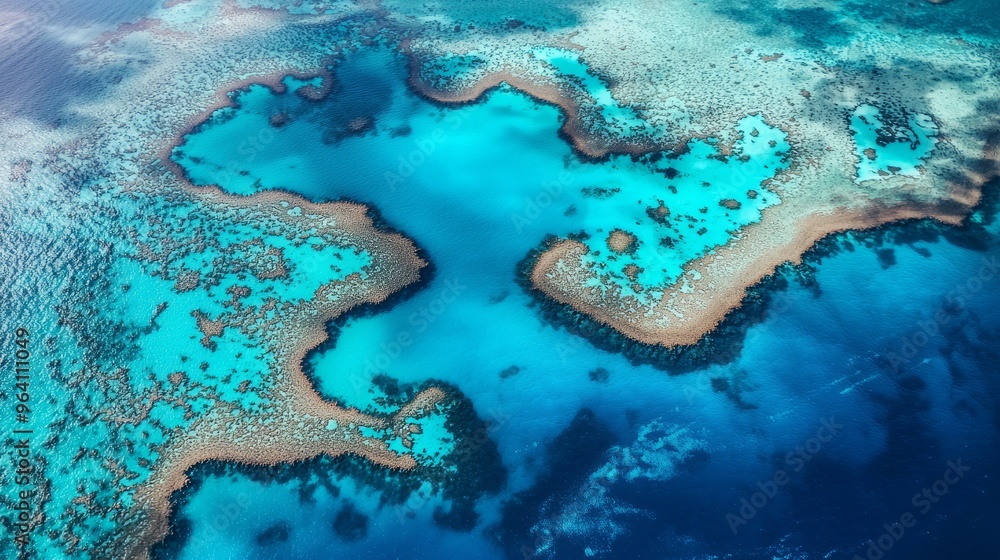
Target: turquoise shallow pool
{"x": 884, "y": 150}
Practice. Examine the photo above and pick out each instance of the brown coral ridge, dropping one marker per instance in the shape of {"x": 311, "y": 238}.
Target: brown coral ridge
{"x": 724, "y": 344}
{"x": 472, "y": 470}
{"x": 683, "y": 317}
{"x": 299, "y": 425}
{"x": 268, "y": 448}
{"x": 588, "y": 144}
{"x": 224, "y": 97}
{"x": 303, "y": 424}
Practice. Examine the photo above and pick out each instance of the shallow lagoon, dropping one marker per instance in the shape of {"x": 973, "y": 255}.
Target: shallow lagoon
{"x": 477, "y": 187}
{"x": 474, "y": 326}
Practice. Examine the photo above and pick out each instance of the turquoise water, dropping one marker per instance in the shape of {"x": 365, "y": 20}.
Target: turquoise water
{"x": 495, "y": 175}
{"x": 525, "y": 180}
{"x": 884, "y": 150}
{"x": 615, "y": 119}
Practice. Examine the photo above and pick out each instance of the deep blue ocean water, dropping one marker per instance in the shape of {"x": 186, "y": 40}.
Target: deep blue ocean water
{"x": 822, "y": 357}
{"x": 39, "y": 52}
{"x": 867, "y": 377}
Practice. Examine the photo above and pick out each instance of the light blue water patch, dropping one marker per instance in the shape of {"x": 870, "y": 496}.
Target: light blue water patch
{"x": 432, "y": 444}
{"x": 232, "y": 516}
{"x": 618, "y": 119}
{"x": 885, "y": 150}
{"x": 709, "y": 198}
